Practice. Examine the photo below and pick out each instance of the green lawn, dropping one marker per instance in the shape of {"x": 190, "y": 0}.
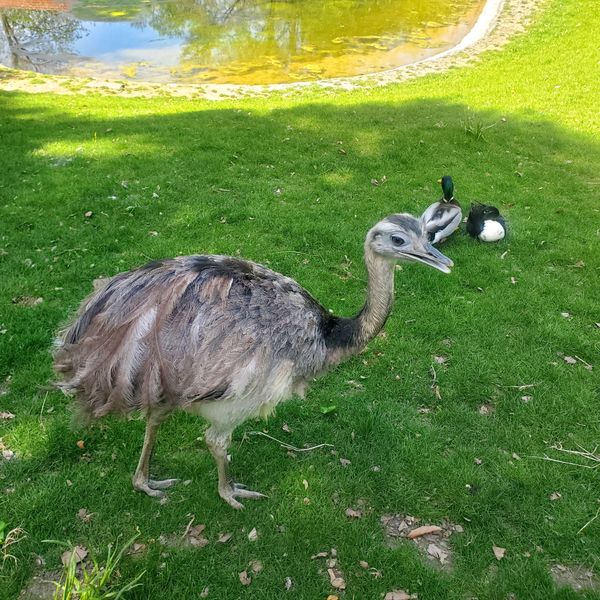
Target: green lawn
{"x": 165, "y": 176}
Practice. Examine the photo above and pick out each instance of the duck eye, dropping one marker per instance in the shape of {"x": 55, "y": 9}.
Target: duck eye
{"x": 397, "y": 240}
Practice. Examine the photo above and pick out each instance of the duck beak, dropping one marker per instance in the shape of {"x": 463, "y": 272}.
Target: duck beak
{"x": 428, "y": 255}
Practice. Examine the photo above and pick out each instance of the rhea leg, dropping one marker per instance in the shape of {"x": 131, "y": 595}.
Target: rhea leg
{"x": 218, "y": 443}
{"x": 141, "y": 481}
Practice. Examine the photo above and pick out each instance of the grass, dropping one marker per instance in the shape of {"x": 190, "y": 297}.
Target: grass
{"x": 167, "y": 176}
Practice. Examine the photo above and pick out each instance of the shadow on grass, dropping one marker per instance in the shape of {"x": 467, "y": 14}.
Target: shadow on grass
{"x": 297, "y": 188}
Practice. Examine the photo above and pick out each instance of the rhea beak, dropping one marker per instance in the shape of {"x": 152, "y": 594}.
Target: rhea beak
{"x": 428, "y": 255}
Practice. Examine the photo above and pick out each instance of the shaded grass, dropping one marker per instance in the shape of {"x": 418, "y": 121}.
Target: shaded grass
{"x": 205, "y": 178}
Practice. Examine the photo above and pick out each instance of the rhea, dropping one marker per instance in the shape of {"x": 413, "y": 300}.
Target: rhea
{"x": 220, "y": 337}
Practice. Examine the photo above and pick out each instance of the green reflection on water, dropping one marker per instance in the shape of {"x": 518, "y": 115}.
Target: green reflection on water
{"x": 256, "y": 41}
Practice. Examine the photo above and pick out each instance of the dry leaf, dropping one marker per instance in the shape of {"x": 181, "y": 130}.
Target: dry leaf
{"x": 337, "y": 581}
{"x": 477, "y": 461}
{"x": 319, "y": 555}
{"x": 499, "y": 552}
{"x": 345, "y": 462}
{"x": 84, "y": 515}
{"x": 77, "y": 554}
{"x": 8, "y": 454}
{"x": 566, "y": 315}
{"x": 253, "y": 535}
{"x": 244, "y": 578}
{"x": 364, "y": 564}
{"x": 225, "y": 537}
{"x": 285, "y": 428}
{"x": 440, "y": 360}
{"x": 486, "y": 409}
{"x": 353, "y": 514}
{"x": 6, "y": 416}
{"x": 333, "y": 597}
{"x": 137, "y": 548}
{"x": 570, "y": 360}
{"x": 204, "y": 593}
{"x": 256, "y": 566}
{"x": 289, "y": 584}
{"x": 423, "y": 530}
{"x": 28, "y": 301}
{"x": 513, "y": 280}
{"x": 526, "y": 398}
{"x": 195, "y": 536}
{"x": 305, "y": 484}
{"x": 88, "y": 214}
{"x": 80, "y": 444}
{"x": 398, "y": 595}
{"x": 516, "y": 456}
{"x": 555, "y": 496}
{"x": 437, "y": 552}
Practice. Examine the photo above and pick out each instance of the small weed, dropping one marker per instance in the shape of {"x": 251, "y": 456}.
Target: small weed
{"x": 92, "y": 580}
{"x": 475, "y": 128}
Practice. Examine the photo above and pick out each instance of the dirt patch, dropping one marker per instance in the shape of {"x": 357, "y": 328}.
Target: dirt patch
{"x": 576, "y": 577}
{"x": 41, "y": 587}
{"x": 515, "y": 17}
{"x": 431, "y": 539}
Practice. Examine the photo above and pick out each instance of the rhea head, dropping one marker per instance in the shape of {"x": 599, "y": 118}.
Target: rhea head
{"x": 402, "y": 237}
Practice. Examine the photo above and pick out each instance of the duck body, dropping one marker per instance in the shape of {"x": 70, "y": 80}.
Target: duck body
{"x": 485, "y": 223}
{"x": 443, "y": 218}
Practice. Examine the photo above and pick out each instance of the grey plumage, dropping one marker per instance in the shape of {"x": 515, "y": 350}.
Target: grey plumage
{"x": 220, "y": 337}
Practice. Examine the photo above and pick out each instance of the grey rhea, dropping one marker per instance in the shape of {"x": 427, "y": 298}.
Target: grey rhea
{"x": 220, "y": 337}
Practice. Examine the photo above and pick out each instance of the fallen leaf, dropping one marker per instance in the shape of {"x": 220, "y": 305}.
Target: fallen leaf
{"x": 526, "y": 398}
{"x": 555, "y": 496}
{"x": 6, "y": 416}
{"x": 153, "y": 233}
{"x": 337, "y": 581}
{"x": 566, "y": 315}
{"x": 423, "y": 530}
{"x": 305, "y": 484}
{"x": 440, "y": 360}
{"x": 84, "y": 515}
{"x": 80, "y": 444}
{"x": 319, "y": 555}
{"x": 477, "y": 461}
{"x": 77, "y": 554}
{"x": 285, "y": 428}
{"x": 253, "y": 535}
{"x": 332, "y": 597}
{"x": 437, "y": 552}
{"x": 204, "y": 593}
{"x": 353, "y": 514}
{"x": 88, "y": 214}
{"x": 570, "y": 360}
{"x": 195, "y": 536}
{"x": 224, "y": 538}
{"x": 516, "y": 456}
{"x": 345, "y": 462}
{"x": 398, "y": 595}
{"x": 486, "y": 409}
{"x": 256, "y": 566}
{"x": 513, "y": 280}
{"x": 289, "y": 584}
{"x": 499, "y": 552}
{"x": 137, "y": 548}
{"x": 8, "y": 454}
{"x": 28, "y": 301}
{"x": 244, "y": 578}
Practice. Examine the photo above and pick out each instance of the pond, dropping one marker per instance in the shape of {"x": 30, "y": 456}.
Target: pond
{"x": 227, "y": 41}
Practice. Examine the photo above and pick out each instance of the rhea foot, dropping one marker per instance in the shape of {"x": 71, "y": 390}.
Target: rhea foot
{"x": 232, "y": 491}
{"x": 153, "y": 487}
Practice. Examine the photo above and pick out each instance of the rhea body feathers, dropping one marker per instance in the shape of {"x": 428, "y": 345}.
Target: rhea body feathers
{"x": 221, "y": 337}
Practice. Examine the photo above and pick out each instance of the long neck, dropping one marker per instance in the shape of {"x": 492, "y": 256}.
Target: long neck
{"x": 351, "y": 335}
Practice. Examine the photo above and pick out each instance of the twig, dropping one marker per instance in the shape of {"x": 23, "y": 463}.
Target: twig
{"x": 564, "y": 462}
{"x": 590, "y": 521}
{"x": 519, "y": 387}
{"x": 288, "y": 446}
{"x": 187, "y": 529}
{"x": 583, "y": 452}
{"x": 583, "y": 361}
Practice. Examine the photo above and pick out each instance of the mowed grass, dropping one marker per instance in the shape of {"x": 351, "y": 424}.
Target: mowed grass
{"x": 288, "y": 183}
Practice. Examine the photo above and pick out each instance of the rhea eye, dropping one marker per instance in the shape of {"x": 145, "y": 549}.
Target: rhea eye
{"x": 397, "y": 240}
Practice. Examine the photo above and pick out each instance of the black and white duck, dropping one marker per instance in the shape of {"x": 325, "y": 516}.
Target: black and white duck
{"x": 486, "y": 223}
{"x": 443, "y": 218}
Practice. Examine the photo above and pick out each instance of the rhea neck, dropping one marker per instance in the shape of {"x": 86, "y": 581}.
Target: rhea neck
{"x": 351, "y": 335}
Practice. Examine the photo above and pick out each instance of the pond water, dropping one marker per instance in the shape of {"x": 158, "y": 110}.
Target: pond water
{"x": 227, "y": 41}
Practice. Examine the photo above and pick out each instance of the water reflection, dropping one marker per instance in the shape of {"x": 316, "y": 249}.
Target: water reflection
{"x": 230, "y": 41}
